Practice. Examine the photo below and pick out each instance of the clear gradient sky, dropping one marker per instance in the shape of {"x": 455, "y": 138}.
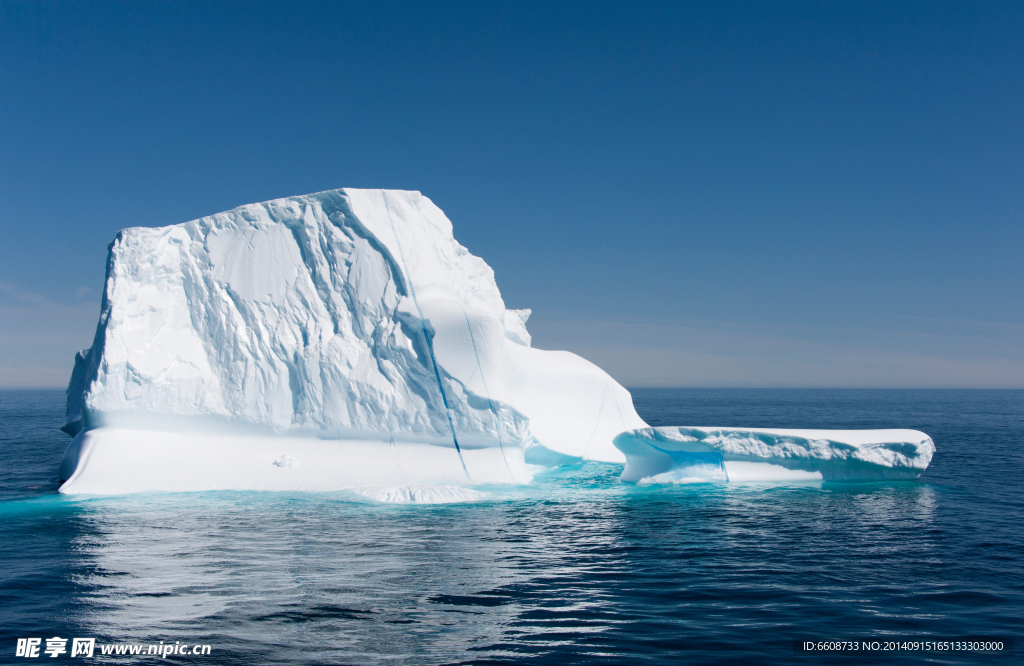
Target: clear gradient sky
{"x": 741, "y": 194}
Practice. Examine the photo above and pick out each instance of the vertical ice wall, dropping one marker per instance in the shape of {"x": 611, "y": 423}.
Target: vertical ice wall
{"x": 348, "y": 313}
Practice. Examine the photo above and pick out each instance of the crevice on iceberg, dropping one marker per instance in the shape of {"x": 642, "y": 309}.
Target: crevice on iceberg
{"x": 428, "y": 337}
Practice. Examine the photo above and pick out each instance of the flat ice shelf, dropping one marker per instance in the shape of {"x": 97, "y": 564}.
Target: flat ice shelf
{"x": 694, "y": 454}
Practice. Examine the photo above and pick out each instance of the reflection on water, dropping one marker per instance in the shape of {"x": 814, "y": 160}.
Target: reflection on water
{"x": 577, "y": 565}
{"x": 343, "y": 579}
{"x": 335, "y": 577}
{"x": 575, "y": 568}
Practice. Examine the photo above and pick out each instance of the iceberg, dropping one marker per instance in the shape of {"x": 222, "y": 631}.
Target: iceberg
{"x": 689, "y": 454}
{"x": 336, "y": 340}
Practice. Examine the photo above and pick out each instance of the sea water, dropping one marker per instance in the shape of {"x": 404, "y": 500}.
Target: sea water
{"x": 575, "y": 568}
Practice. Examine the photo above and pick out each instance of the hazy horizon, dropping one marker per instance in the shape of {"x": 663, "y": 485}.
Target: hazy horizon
{"x": 696, "y": 195}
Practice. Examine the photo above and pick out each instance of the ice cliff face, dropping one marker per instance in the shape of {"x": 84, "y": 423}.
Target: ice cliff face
{"x": 345, "y": 314}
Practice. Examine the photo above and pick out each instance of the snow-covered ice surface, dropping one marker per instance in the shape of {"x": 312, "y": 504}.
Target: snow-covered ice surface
{"x": 692, "y": 455}
{"x": 300, "y": 343}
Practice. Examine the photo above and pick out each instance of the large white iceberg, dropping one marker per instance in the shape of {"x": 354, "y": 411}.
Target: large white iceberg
{"x": 687, "y": 454}
{"x": 336, "y": 340}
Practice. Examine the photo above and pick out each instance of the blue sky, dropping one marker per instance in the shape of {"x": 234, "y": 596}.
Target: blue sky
{"x": 688, "y": 194}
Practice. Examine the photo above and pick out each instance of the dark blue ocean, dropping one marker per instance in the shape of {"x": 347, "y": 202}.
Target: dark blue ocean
{"x": 576, "y": 568}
